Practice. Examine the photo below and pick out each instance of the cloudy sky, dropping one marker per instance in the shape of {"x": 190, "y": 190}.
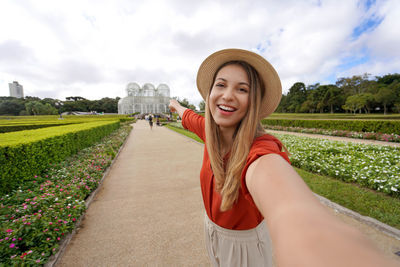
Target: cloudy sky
{"x": 94, "y": 48}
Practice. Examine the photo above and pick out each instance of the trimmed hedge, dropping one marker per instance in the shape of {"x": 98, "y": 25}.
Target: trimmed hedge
{"x": 23, "y": 127}
{"x": 25, "y": 154}
{"x": 376, "y": 126}
{"x": 15, "y": 125}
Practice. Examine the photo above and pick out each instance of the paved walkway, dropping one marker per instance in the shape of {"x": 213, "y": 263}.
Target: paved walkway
{"x": 149, "y": 210}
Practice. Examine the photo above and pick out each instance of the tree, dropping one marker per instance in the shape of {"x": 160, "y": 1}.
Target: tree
{"x": 333, "y": 97}
{"x": 296, "y": 96}
{"x": 385, "y": 96}
{"x": 367, "y": 99}
{"x": 108, "y": 105}
{"x": 185, "y": 103}
{"x": 315, "y": 95}
{"x": 353, "y": 103}
{"x": 355, "y": 85}
{"x": 33, "y": 107}
{"x": 307, "y": 106}
{"x": 75, "y": 98}
{"x": 388, "y": 78}
{"x": 11, "y": 107}
{"x": 37, "y": 108}
{"x": 202, "y": 105}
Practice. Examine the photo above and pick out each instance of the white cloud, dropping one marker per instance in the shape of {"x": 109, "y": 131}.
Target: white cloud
{"x": 93, "y": 49}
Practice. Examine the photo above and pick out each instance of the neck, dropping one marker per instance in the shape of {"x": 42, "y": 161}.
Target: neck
{"x": 226, "y": 139}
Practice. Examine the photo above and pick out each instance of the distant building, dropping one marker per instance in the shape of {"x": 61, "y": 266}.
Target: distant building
{"x": 16, "y": 90}
{"x": 146, "y": 99}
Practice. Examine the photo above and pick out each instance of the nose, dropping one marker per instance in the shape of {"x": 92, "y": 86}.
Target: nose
{"x": 228, "y": 94}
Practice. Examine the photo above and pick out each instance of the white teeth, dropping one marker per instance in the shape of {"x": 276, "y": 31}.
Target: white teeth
{"x": 226, "y": 108}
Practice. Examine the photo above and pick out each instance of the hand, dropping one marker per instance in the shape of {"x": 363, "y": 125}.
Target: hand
{"x": 173, "y": 105}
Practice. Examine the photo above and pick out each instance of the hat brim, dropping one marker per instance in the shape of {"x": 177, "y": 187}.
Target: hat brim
{"x": 272, "y": 83}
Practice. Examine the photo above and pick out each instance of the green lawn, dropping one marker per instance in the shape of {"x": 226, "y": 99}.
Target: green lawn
{"x": 364, "y": 201}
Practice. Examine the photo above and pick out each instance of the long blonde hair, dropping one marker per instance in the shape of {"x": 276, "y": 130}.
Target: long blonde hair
{"x": 227, "y": 177}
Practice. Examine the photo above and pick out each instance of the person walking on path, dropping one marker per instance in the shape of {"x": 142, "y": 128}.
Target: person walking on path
{"x": 151, "y": 122}
{"x": 256, "y": 204}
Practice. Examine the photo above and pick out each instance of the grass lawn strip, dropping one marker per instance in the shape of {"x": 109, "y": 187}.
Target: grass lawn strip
{"x": 177, "y": 127}
{"x": 361, "y": 200}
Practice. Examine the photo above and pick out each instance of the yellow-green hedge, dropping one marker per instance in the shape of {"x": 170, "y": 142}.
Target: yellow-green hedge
{"x": 25, "y": 154}
{"x": 13, "y": 124}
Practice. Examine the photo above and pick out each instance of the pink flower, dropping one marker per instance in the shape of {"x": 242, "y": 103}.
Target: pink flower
{"x": 50, "y": 223}
{"x": 48, "y": 239}
{"x": 58, "y": 238}
{"x": 30, "y": 251}
{"x": 12, "y": 245}
{"x": 9, "y": 230}
{"x": 37, "y": 261}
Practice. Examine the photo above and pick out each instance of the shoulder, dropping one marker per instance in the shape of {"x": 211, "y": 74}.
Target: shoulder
{"x": 265, "y": 144}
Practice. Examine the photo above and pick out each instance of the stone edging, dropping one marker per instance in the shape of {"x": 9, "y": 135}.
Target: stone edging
{"x": 64, "y": 243}
{"x": 387, "y": 229}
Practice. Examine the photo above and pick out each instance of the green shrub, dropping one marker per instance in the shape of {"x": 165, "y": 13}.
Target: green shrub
{"x": 25, "y": 154}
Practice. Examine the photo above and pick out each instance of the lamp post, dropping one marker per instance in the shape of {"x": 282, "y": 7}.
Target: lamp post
{"x": 59, "y": 104}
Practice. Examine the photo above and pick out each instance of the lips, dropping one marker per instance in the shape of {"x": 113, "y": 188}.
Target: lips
{"x": 226, "y": 108}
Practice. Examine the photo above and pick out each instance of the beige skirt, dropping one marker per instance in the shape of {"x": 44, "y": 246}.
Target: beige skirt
{"x": 231, "y": 248}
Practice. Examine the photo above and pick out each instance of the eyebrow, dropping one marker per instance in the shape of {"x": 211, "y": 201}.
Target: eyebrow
{"x": 242, "y": 83}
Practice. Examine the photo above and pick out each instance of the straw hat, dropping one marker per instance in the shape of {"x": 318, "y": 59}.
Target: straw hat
{"x": 272, "y": 83}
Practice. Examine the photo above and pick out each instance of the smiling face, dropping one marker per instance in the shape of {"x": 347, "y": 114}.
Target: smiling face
{"x": 229, "y": 97}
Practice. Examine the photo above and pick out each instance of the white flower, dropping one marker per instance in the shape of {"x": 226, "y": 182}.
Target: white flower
{"x": 393, "y": 189}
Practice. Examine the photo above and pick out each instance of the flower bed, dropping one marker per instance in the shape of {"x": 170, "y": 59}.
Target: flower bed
{"x": 36, "y": 216}
{"x": 342, "y": 133}
{"x": 376, "y": 167}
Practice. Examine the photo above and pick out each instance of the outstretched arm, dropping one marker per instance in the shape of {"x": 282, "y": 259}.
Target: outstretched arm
{"x": 174, "y": 106}
{"x": 303, "y": 232}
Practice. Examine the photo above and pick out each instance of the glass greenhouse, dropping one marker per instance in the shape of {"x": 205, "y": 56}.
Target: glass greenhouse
{"x": 146, "y": 99}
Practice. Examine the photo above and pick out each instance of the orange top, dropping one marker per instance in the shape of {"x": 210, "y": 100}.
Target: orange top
{"x": 244, "y": 214}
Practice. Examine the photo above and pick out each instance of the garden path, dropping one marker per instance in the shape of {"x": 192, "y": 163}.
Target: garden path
{"x": 149, "y": 211}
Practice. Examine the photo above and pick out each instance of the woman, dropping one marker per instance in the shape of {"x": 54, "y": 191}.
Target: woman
{"x": 251, "y": 194}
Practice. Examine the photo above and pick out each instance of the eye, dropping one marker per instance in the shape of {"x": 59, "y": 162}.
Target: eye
{"x": 219, "y": 85}
{"x": 243, "y": 90}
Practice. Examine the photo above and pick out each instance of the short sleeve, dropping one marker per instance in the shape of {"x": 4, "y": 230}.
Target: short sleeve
{"x": 194, "y": 122}
{"x": 268, "y": 145}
